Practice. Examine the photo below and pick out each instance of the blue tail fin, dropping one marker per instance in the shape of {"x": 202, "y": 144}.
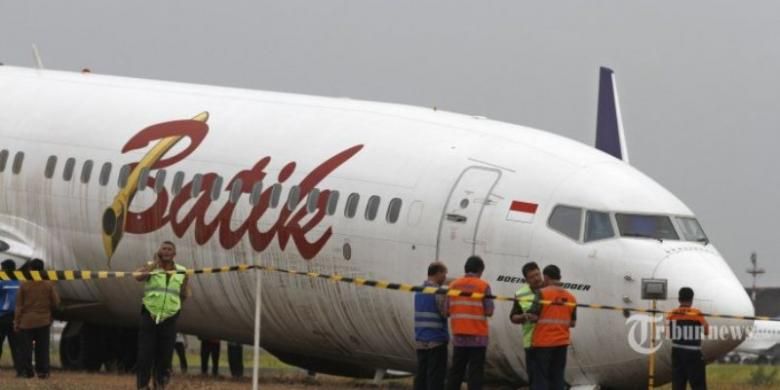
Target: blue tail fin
{"x": 609, "y": 124}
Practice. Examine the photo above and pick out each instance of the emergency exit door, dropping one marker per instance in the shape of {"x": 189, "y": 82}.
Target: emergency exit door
{"x": 462, "y": 212}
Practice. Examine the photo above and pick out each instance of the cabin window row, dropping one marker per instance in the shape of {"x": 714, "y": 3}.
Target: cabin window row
{"x": 16, "y": 163}
{"x": 371, "y": 211}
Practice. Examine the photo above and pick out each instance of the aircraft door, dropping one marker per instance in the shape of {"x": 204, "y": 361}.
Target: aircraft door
{"x": 462, "y": 212}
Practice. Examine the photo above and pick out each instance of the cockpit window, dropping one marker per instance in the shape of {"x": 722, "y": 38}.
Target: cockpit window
{"x": 567, "y": 220}
{"x": 691, "y": 230}
{"x": 598, "y": 226}
{"x": 658, "y": 227}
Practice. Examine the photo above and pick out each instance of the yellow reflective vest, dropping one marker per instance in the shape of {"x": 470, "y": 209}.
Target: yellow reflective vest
{"x": 162, "y": 294}
{"x": 525, "y": 298}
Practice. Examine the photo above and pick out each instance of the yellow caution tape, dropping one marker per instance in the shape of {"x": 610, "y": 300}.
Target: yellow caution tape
{"x": 83, "y": 275}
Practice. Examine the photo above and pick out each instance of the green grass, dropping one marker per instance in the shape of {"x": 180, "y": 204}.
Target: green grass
{"x": 737, "y": 376}
{"x": 719, "y": 376}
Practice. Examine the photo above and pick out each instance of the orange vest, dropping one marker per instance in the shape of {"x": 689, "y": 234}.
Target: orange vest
{"x": 552, "y": 329}
{"x": 687, "y": 314}
{"x": 467, "y": 315}
{"x": 685, "y": 328}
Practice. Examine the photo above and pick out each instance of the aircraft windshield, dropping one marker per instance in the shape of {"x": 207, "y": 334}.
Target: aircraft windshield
{"x": 691, "y": 230}
{"x": 658, "y": 227}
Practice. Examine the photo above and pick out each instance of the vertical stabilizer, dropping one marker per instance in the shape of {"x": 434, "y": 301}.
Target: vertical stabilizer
{"x": 609, "y": 124}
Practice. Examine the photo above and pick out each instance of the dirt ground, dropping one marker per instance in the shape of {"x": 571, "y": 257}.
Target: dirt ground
{"x": 61, "y": 380}
{"x": 720, "y": 377}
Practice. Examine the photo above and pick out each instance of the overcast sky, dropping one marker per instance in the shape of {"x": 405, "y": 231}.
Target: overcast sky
{"x": 699, "y": 81}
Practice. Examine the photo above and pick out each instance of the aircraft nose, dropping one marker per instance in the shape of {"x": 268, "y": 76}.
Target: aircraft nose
{"x": 716, "y": 291}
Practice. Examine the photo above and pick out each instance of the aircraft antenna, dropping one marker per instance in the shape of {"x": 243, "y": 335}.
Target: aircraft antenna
{"x": 37, "y": 57}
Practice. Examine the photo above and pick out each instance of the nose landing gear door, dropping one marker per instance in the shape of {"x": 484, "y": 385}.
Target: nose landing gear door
{"x": 462, "y": 212}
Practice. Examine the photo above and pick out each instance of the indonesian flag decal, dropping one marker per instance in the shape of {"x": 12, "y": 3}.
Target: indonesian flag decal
{"x": 522, "y": 211}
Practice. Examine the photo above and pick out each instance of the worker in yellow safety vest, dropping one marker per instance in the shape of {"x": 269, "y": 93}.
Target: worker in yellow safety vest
{"x": 520, "y": 312}
{"x": 164, "y": 293}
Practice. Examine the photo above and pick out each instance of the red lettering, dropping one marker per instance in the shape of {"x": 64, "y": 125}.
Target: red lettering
{"x": 288, "y": 227}
{"x": 153, "y": 218}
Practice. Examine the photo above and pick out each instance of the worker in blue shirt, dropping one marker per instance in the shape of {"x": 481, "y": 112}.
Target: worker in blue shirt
{"x": 8, "y": 290}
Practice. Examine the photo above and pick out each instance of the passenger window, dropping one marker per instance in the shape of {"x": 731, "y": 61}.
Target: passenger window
{"x": 159, "y": 181}
{"x": 257, "y": 191}
{"x": 598, "y": 226}
{"x": 18, "y": 160}
{"x": 276, "y": 195}
{"x": 566, "y": 220}
{"x": 216, "y": 188}
{"x": 311, "y": 202}
{"x": 51, "y": 164}
{"x": 235, "y": 191}
{"x": 123, "y": 174}
{"x": 143, "y": 178}
{"x": 67, "y": 173}
{"x": 178, "y": 182}
{"x": 333, "y": 202}
{"x": 372, "y": 207}
{"x": 393, "y": 210}
{"x": 105, "y": 172}
{"x": 293, "y": 198}
{"x": 352, "y": 205}
{"x": 86, "y": 171}
{"x": 197, "y": 182}
{"x": 3, "y": 159}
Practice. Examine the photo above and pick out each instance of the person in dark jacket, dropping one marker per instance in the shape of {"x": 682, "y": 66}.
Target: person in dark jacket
{"x": 35, "y": 303}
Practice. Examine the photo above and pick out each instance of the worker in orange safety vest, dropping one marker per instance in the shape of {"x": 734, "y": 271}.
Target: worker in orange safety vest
{"x": 469, "y": 325}
{"x": 552, "y": 333}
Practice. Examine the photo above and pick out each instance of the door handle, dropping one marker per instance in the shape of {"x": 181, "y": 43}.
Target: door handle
{"x": 456, "y": 218}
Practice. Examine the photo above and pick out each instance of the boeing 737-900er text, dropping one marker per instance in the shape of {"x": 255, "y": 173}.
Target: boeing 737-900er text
{"x": 97, "y": 170}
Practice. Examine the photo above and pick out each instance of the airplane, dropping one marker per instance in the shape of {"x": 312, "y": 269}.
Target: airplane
{"x": 97, "y": 170}
{"x": 761, "y": 344}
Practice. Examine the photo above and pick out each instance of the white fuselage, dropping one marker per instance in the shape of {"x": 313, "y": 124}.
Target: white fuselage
{"x": 455, "y": 175}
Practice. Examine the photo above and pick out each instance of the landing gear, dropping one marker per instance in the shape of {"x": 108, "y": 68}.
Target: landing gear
{"x": 86, "y": 346}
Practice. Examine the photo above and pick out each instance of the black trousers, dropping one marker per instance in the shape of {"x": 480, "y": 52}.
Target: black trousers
{"x": 209, "y": 349}
{"x": 236, "y": 359}
{"x": 530, "y": 364}
{"x": 688, "y": 367}
{"x": 550, "y": 363}
{"x": 431, "y": 368}
{"x": 7, "y": 331}
{"x": 155, "y": 349}
{"x": 182, "y": 354}
{"x": 463, "y": 358}
{"x": 40, "y": 336}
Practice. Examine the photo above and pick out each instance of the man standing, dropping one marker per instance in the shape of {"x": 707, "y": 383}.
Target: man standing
{"x": 8, "y": 291}
{"x": 181, "y": 351}
{"x": 687, "y": 324}
{"x": 35, "y": 302}
{"x": 520, "y": 312}
{"x": 209, "y": 348}
{"x": 551, "y": 337}
{"x": 468, "y": 318}
{"x": 430, "y": 332}
{"x": 164, "y": 293}
{"x": 236, "y": 359}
